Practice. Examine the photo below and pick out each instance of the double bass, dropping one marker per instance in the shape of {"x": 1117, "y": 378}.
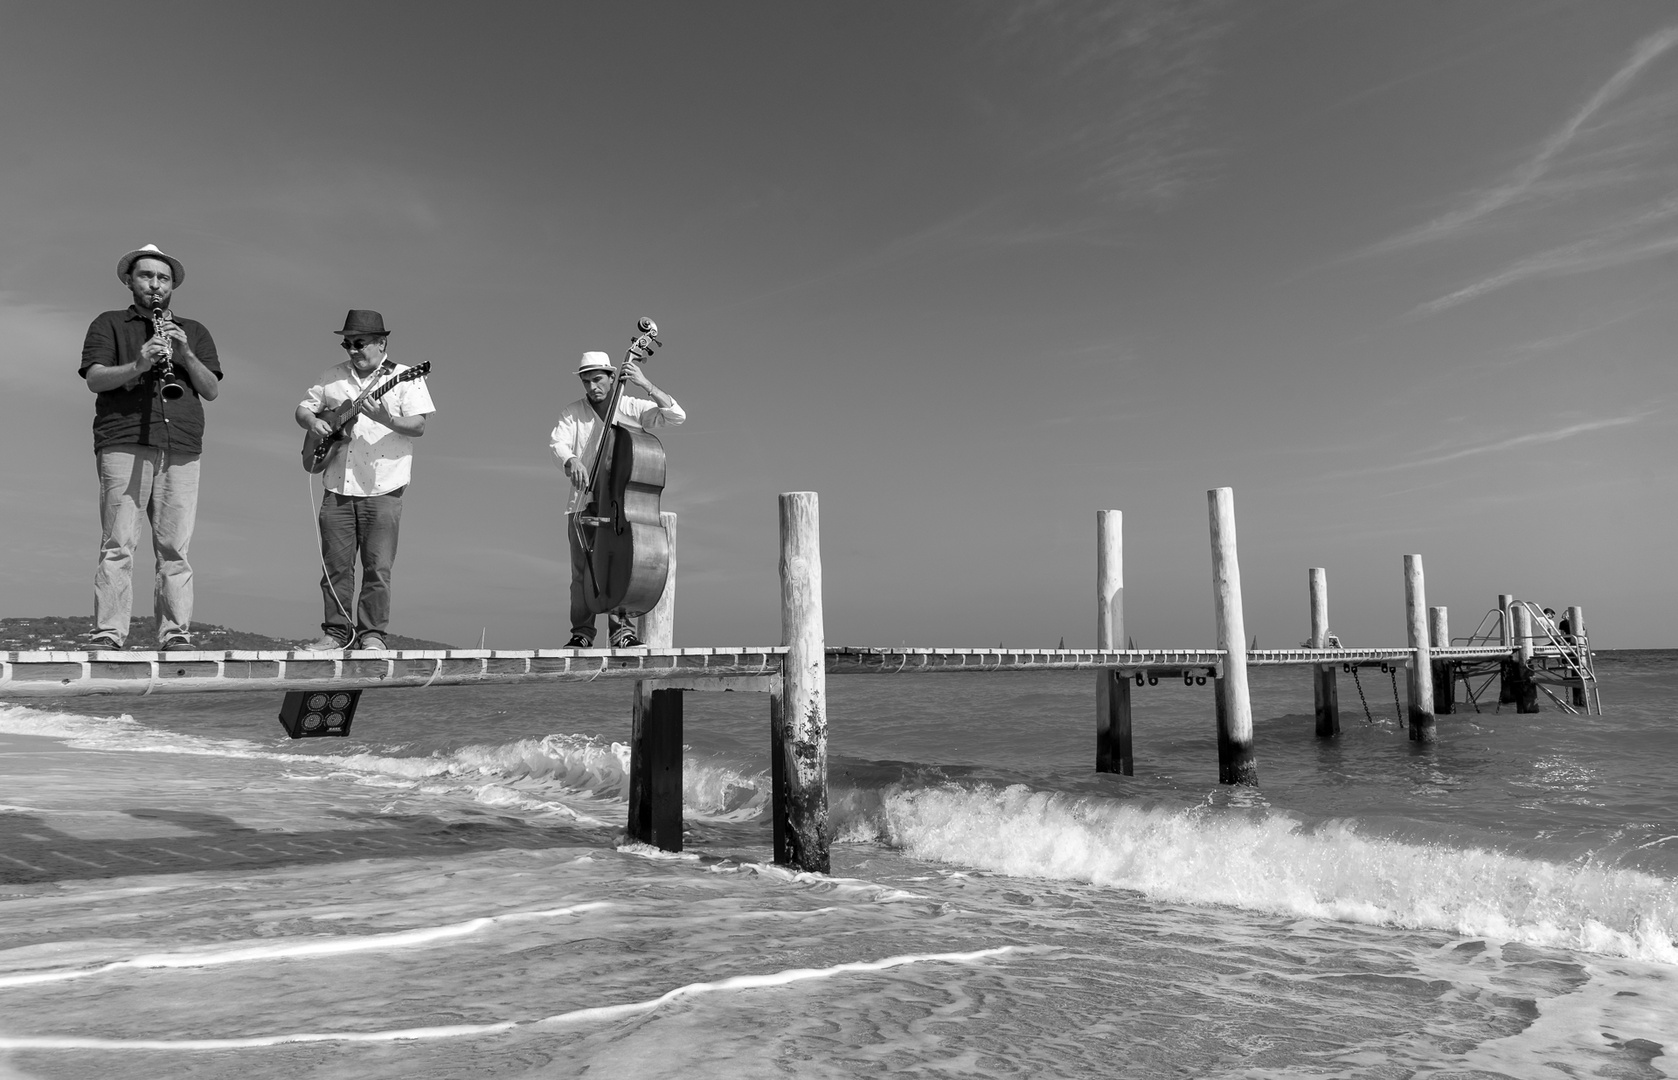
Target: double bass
{"x": 626, "y": 546}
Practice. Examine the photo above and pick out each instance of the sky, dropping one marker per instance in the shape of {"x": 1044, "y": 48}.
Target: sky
{"x": 1398, "y": 274}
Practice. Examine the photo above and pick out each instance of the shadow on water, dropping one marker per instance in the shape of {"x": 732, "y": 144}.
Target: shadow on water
{"x": 33, "y": 852}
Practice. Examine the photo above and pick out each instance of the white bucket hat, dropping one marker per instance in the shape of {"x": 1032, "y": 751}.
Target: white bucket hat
{"x": 594, "y": 361}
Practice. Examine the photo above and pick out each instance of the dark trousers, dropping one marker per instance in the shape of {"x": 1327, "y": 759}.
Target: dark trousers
{"x": 351, "y": 526}
{"x": 582, "y": 619}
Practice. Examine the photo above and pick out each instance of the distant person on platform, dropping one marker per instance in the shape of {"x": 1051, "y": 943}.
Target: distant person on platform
{"x": 152, "y": 373}
{"x": 575, "y": 439}
{"x": 366, "y": 476}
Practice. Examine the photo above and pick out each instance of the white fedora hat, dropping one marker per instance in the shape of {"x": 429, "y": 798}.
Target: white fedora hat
{"x": 126, "y": 264}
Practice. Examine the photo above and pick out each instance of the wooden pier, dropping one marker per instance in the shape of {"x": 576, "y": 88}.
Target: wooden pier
{"x": 794, "y": 674}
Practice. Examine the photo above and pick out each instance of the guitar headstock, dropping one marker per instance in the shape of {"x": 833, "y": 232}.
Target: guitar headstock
{"x": 641, "y": 346}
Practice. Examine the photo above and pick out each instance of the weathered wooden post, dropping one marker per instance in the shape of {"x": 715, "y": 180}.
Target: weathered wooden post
{"x": 1576, "y": 637}
{"x": 798, "y": 713}
{"x": 1518, "y": 671}
{"x": 1236, "y": 763}
{"x": 1506, "y": 679}
{"x": 1576, "y": 624}
{"x": 1324, "y": 687}
{"x": 1420, "y": 681}
{"x": 657, "y": 627}
{"x": 1444, "y": 672}
{"x": 655, "y": 742}
{"x": 655, "y": 768}
{"x": 1112, "y": 685}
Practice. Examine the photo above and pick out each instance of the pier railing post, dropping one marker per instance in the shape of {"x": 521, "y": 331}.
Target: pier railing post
{"x": 657, "y": 627}
{"x": 1236, "y": 763}
{"x": 1112, "y": 687}
{"x": 1324, "y": 686}
{"x": 1420, "y": 681}
{"x": 1444, "y": 672}
{"x": 798, "y": 715}
{"x": 1505, "y": 632}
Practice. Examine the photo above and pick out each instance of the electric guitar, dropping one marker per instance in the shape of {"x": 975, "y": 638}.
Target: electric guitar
{"x": 317, "y": 448}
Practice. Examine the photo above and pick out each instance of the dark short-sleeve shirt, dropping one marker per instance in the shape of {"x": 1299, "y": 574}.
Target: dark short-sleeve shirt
{"x": 136, "y": 411}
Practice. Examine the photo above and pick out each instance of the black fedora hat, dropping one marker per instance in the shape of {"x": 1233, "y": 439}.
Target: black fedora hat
{"x": 363, "y": 321}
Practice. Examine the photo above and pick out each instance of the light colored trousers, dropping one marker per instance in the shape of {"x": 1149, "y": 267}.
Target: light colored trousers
{"x": 165, "y": 487}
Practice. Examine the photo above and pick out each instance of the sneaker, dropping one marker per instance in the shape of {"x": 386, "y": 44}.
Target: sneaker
{"x": 179, "y": 644}
{"x": 104, "y": 641}
{"x": 578, "y": 641}
{"x": 373, "y": 641}
{"x": 625, "y": 639}
{"x": 327, "y": 643}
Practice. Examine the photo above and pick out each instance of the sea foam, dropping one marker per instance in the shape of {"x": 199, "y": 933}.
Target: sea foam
{"x": 1270, "y": 862}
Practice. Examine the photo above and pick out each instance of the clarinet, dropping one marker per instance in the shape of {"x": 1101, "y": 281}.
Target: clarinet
{"x": 166, "y": 377}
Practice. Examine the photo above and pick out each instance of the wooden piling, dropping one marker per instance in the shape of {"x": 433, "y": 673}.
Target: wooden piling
{"x": 1324, "y": 684}
{"x": 1576, "y": 636}
{"x": 655, "y": 769}
{"x": 1518, "y": 672}
{"x": 798, "y": 715}
{"x": 656, "y": 628}
{"x": 1112, "y": 686}
{"x": 1444, "y": 672}
{"x": 1236, "y": 762}
{"x": 1507, "y": 678}
{"x": 1420, "y": 681}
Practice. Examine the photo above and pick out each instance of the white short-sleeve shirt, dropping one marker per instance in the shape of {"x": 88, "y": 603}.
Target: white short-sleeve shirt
{"x": 375, "y": 460}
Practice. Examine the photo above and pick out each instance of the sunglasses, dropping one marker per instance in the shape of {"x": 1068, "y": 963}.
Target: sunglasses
{"x": 359, "y": 343}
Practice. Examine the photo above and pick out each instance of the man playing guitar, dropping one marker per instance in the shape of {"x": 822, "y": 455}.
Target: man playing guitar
{"x": 366, "y": 475}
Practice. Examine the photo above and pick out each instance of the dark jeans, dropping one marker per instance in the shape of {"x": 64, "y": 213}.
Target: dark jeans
{"x": 366, "y": 526}
{"x": 582, "y": 619}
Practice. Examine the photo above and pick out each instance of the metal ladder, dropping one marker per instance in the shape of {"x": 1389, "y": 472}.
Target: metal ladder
{"x": 1560, "y": 661}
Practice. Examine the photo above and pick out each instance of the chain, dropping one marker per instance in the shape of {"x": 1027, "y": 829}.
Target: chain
{"x": 1398, "y": 713}
{"x": 1359, "y": 682}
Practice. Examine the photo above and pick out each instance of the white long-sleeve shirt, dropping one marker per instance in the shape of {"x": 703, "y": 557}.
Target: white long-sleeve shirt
{"x": 577, "y": 434}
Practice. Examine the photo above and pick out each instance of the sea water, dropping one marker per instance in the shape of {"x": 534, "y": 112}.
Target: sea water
{"x": 186, "y": 893}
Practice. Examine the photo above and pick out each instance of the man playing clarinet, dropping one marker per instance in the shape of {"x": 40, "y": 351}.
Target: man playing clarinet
{"x": 152, "y": 372}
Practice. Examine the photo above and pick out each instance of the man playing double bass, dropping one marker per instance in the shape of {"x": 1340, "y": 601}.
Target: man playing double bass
{"x": 574, "y": 441}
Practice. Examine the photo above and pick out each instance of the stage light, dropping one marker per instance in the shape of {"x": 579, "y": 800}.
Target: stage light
{"x": 308, "y": 714}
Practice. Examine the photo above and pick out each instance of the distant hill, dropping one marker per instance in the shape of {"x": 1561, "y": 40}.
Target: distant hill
{"x": 69, "y": 632}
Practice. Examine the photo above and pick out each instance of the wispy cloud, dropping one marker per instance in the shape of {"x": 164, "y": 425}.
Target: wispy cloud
{"x": 1494, "y": 446}
{"x": 1527, "y": 176}
{"x": 1136, "y": 76}
{"x": 1616, "y": 245}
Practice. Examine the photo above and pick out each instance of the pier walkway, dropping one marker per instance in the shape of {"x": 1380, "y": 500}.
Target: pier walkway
{"x": 26, "y": 675}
